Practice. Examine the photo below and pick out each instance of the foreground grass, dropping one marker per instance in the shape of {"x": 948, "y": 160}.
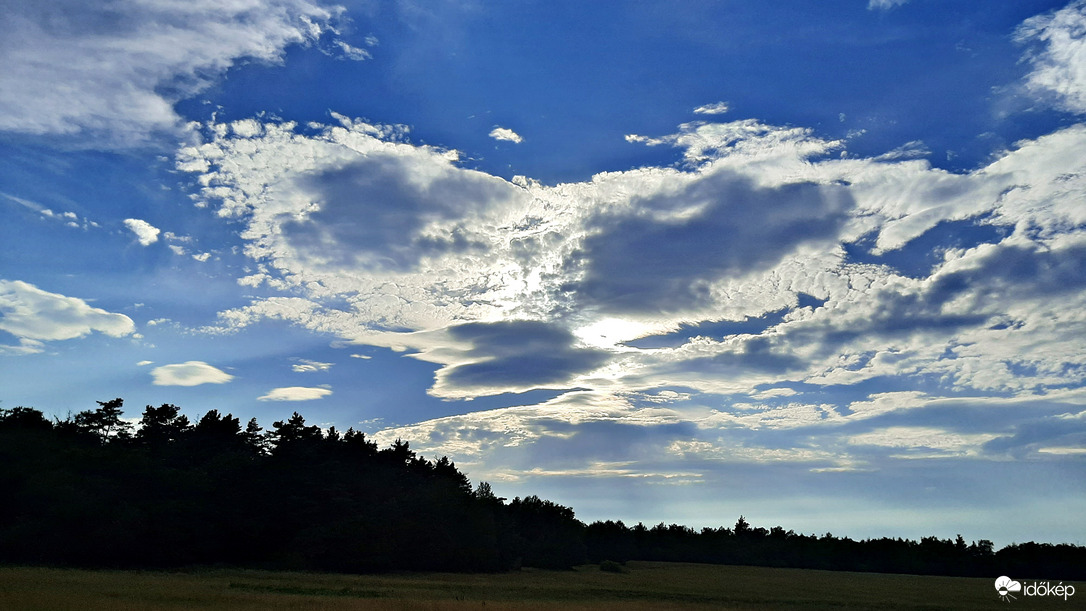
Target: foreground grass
{"x": 644, "y": 585}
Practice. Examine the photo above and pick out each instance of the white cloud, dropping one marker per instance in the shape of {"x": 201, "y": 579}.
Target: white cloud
{"x": 504, "y": 133}
{"x": 351, "y": 52}
{"x": 536, "y": 239}
{"x": 146, "y": 233}
{"x": 189, "y": 373}
{"x": 1062, "y": 451}
{"x": 759, "y": 219}
{"x": 925, "y": 441}
{"x": 144, "y": 363}
{"x": 717, "y": 108}
{"x": 34, "y": 316}
{"x": 295, "y": 393}
{"x": 307, "y": 366}
{"x": 1059, "y": 56}
{"x": 114, "y": 70}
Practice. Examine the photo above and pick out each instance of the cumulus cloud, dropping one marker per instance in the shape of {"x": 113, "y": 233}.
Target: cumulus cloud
{"x": 34, "y": 316}
{"x": 115, "y": 70}
{"x": 295, "y": 393}
{"x": 189, "y": 373}
{"x": 506, "y": 134}
{"x": 146, "y": 233}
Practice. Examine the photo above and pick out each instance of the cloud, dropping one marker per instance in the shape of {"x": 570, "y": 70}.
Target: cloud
{"x": 113, "y": 71}
{"x": 514, "y": 356}
{"x": 295, "y": 393}
{"x": 1058, "y": 55}
{"x": 376, "y": 212}
{"x": 884, "y": 4}
{"x": 717, "y": 108}
{"x": 34, "y": 316}
{"x": 664, "y": 251}
{"x": 307, "y": 366}
{"x": 923, "y": 442}
{"x": 506, "y": 134}
{"x": 146, "y": 233}
{"x": 852, "y": 268}
{"x": 189, "y": 373}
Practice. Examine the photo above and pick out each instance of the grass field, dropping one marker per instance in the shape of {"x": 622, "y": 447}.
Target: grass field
{"x": 643, "y": 585}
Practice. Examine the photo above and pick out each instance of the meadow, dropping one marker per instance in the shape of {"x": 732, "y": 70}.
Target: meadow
{"x": 641, "y": 585}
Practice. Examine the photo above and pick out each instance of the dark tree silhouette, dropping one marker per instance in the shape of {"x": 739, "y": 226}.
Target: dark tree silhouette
{"x": 87, "y": 491}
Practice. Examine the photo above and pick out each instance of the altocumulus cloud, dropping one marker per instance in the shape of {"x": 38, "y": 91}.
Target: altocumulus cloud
{"x": 33, "y": 316}
{"x": 189, "y": 373}
{"x": 295, "y": 393}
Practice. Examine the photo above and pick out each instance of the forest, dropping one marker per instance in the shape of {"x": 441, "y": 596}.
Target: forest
{"x": 93, "y": 490}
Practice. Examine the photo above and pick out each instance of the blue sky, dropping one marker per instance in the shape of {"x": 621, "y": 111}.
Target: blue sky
{"x": 819, "y": 264}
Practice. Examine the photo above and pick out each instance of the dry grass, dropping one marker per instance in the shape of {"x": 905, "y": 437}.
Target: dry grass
{"x": 646, "y": 585}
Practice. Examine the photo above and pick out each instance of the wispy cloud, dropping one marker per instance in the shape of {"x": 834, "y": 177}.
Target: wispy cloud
{"x": 1058, "y": 55}
{"x": 717, "y": 108}
{"x": 883, "y": 5}
{"x": 63, "y": 74}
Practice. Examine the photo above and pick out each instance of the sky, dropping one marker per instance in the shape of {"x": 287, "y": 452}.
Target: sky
{"x": 819, "y": 264}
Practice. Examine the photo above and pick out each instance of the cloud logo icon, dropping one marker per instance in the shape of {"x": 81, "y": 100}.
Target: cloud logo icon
{"x": 1005, "y": 585}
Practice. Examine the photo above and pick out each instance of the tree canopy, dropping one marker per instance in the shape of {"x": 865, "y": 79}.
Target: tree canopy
{"x": 93, "y": 490}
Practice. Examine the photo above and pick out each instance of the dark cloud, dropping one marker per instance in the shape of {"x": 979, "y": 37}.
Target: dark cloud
{"x": 1032, "y": 435}
{"x": 521, "y": 354}
{"x": 375, "y": 209}
{"x": 1004, "y": 276}
{"x": 636, "y": 262}
{"x": 1020, "y": 271}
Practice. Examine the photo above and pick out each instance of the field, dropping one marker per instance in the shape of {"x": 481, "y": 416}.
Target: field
{"x": 643, "y": 585}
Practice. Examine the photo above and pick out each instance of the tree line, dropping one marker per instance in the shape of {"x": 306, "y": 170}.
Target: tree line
{"x": 92, "y": 490}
